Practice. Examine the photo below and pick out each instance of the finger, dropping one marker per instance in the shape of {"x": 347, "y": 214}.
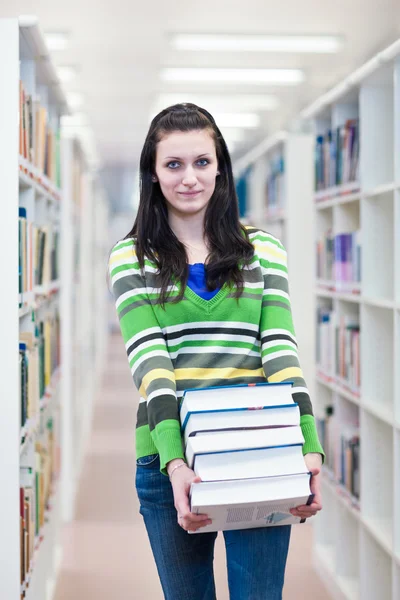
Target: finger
{"x": 188, "y": 516}
{"x": 298, "y": 515}
{"x": 191, "y": 526}
{"x": 303, "y": 514}
{"x": 315, "y": 471}
{"x": 315, "y": 506}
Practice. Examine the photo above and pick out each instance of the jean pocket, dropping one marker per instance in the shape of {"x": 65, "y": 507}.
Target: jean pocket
{"x": 147, "y": 461}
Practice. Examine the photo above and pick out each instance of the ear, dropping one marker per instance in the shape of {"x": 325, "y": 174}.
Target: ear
{"x": 218, "y": 173}
{"x": 154, "y": 179}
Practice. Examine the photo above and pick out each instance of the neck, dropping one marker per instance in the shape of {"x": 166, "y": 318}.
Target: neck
{"x": 188, "y": 228}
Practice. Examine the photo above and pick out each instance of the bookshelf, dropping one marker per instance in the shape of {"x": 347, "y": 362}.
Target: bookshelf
{"x": 280, "y": 183}
{"x": 84, "y": 254}
{"x": 357, "y": 219}
{"x": 31, "y": 104}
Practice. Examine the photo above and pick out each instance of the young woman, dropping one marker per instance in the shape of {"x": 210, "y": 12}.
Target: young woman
{"x": 202, "y": 301}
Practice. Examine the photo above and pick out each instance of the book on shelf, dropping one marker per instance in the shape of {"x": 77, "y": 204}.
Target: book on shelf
{"x": 39, "y": 356}
{"x": 227, "y": 450}
{"x": 338, "y": 347}
{"x": 339, "y": 259}
{"x": 38, "y": 251}
{"x": 275, "y": 188}
{"x": 36, "y": 485}
{"x": 337, "y": 156}
{"x": 39, "y": 136}
{"x": 348, "y": 352}
{"x": 342, "y": 450}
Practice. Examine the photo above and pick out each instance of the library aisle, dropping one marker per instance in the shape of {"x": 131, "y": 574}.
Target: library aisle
{"x": 106, "y": 553}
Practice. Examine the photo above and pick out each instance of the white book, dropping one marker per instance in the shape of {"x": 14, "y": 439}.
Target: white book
{"x": 250, "y": 503}
{"x": 235, "y": 397}
{"x": 250, "y": 464}
{"x": 281, "y": 416}
{"x": 217, "y": 442}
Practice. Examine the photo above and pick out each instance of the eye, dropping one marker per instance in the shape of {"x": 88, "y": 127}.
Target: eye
{"x": 173, "y": 165}
{"x": 203, "y": 162}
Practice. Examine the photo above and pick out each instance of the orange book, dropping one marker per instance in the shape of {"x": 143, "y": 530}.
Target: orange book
{"x": 21, "y": 105}
{"x": 26, "y": 132}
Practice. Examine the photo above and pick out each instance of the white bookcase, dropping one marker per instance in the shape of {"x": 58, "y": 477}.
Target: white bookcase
{"x": 357, "y": 542}
{"x": 25, "y": 186}
{"x": 291, "y": 221}
{"x": 84, "y": 298}
{"x": 78, "y": 212}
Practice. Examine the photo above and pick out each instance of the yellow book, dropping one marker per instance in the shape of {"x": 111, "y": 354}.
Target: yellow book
{"x": 33, "y": 378}
{"x": 47, "y": 356}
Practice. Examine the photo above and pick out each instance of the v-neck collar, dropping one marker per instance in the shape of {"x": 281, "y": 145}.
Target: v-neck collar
{"x": 207, "y": 305}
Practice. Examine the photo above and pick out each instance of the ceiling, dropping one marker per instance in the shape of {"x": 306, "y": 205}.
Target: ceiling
{"x": 119, "y": 47}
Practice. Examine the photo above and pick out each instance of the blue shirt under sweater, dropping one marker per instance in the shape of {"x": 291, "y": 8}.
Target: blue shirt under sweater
{"x": 197, "y": 281}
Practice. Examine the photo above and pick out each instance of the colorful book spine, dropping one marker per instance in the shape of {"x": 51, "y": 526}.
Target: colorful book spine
{"x": 275, "y": 188}
{"x": 337, "y": 156}
{"x": 36, "y": 487}
{"x": 39, "y": 137}
{"x": 339, "y": 259}
{"x": 338, "y": 348}
{"x": 342, "y": 451}
{"x": 39, "y": 357}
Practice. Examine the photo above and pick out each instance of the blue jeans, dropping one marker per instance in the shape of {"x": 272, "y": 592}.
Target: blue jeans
{"x": 256, "y": 558}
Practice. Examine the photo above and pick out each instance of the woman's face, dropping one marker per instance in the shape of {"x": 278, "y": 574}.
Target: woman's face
{"x": 186, "y": 169}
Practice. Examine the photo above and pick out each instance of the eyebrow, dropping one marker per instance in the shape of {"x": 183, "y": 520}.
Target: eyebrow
{"x": 178, "y": 158}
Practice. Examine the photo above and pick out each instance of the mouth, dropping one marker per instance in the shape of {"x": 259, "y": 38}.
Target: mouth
{"x": 190, "y": 194}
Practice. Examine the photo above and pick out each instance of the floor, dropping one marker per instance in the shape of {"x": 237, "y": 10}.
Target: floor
{"x": 106, "y": 553}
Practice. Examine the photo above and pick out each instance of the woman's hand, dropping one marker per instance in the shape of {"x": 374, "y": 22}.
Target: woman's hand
{"x": 314, "y": 463}
{"x": 181, "y": 480}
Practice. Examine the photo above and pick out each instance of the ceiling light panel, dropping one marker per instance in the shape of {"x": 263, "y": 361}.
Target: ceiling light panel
{"x": 57, "y": 40}
{"x": 233, "y": 76}
{"x": 323, "y": 44}
{"x": 221, "y": 102}
{"x": 241, "y": 120}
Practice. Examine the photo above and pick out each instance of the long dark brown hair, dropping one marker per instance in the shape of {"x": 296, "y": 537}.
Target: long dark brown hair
{"x": 227, "y": 239}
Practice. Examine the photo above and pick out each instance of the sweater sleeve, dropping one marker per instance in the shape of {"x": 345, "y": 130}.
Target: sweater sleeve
{"x": 148, "y": 356}
{"x": 278, "y": 340}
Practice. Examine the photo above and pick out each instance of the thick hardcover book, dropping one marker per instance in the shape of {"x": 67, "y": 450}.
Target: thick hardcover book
{"x": 250, "y": 503}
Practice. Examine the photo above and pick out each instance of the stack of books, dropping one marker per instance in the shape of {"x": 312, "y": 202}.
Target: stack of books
{"x": 245, "y": 443}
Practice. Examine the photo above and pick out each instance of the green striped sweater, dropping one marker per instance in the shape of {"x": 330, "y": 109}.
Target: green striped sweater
{"x": 199, "y": 343}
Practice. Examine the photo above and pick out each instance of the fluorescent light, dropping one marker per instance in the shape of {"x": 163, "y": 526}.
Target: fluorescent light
{"x": 75, "y": 100}
{"x": 233, "y": 134}
{"x": 219, "y": 103}
{"x": 57, "y": 40}
{"x": 244, "y": 120}
{"x": 245, "y": 76}
{"x": 258, "y": 43}
{"x": 66, "y": 74}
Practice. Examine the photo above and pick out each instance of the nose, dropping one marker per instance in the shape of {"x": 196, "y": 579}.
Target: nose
{"x": 189, "y": 178}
